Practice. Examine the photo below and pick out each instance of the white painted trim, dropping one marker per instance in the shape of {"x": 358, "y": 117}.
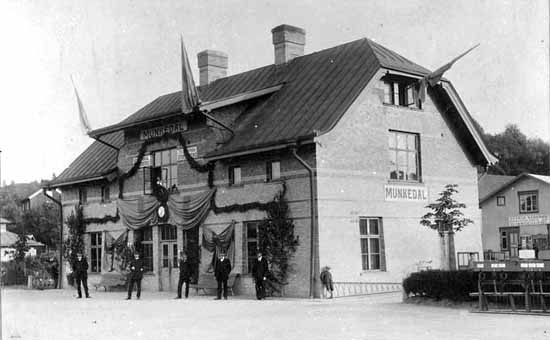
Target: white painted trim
{"x": 214, "y": 104}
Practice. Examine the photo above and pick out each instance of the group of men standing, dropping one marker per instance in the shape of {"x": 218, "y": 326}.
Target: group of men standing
{"x": 222, "y": 270}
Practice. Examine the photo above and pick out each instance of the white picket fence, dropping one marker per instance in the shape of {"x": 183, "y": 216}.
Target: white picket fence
{"x": 342, "y": 289}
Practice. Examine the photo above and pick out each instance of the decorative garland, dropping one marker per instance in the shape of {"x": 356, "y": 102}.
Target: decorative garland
{"x": 207, "y": 167}
{"x": 102, "y": 220}
{"x": 269, "y": 206}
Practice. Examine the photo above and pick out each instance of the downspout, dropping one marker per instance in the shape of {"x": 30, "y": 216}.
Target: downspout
{"x": 60, "y": 273}
{"x": 312, "y": 194}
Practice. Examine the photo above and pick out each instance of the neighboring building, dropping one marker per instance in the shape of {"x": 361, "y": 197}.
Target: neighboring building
{"x": 516, "y": 215}
{"x": 341, "y": 128}
{"x": 8, "y": 240}
{"x": 38, "y": 198}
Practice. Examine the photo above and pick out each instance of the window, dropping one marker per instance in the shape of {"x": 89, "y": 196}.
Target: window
{"x": 372, "y": 248}
{"x": 105, "y": 194}
{"x": 501, "y": 201}
{"x": 146, "y": 237}
{"x": 404, "y": 156}
{"x": 168, "y": 239}
{"x": 234, "y": 175}
{"x": 163, "y": 170}
{"x": 401, "y": 92}
{"x": 272, "y": 171}
{"x": 95, "y": 250}
{"x": 528, "y": 201}
{"x": 504, "y": 240}
{"x": 82, "y": 196}
{"x": 252, "y": 243}
{"x": 464, "y": 259}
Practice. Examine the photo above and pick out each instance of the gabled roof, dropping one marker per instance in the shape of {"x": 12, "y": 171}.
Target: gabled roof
{"x": 95, "y": 162}
{"x": 8, "y": 239}
{"x": 489, "y": 183}
{"x": 312, "y": 93}
{"x": 544, "y": 179}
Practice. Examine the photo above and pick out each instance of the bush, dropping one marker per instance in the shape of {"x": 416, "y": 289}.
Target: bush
{"x": 452, "y": 285}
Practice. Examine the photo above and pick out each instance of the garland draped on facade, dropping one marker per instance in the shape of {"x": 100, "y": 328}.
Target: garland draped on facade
{"x": 217, "y": 243}
{"x": 102, "y": 220}
{"x": 207, "y": 167}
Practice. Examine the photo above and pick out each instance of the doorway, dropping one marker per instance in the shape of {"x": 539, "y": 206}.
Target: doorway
{"x": 509, "y": 241}
{"x": 168, "y": 257}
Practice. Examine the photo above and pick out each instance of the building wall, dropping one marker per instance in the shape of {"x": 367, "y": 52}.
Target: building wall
{"x": 353, "y": 169}
{"x": 495, "y": 217}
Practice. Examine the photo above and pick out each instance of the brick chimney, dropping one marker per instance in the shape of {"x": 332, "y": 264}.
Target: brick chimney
{"x": 212, "y": 65}
{"x": 289, "y": 42}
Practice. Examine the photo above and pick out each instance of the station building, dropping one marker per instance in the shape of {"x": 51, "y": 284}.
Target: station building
{"x": 340, "y": 131}
{"x": 515, "y": 215}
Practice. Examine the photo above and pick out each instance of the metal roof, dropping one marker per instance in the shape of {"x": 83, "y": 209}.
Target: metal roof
{"x": 96, "y": 161}
{"x": 506, "y": 184}
{"x": 316, "y": 90}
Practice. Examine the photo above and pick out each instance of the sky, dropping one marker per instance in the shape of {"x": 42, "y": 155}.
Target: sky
{"x": 123, "y": 54}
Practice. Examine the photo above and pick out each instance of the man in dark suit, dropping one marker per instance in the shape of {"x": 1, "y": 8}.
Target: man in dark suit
{"x": 80, "y": 270}
{"x": 135, "y": 276}
{"x": 223, "y": 268}
{"x": 185, "y": 274}
{"x": 260, "y": 272}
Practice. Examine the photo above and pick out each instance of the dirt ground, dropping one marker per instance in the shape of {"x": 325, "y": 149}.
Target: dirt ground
{"x": 56, "y": 314}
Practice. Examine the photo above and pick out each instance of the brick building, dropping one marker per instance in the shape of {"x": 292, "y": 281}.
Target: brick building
{"x": 341, "y": 129}
{"x": 515, "y": 215}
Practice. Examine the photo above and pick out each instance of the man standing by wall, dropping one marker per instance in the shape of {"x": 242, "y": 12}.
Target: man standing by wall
{"x": 259, "y": 272}
{"x": 135, "y": 276}
{"x": 221, "y": 272}
{"x": 80, "y": 270}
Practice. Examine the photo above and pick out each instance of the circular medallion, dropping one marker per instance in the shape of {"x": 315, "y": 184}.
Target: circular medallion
{"x": 162, "y": 213}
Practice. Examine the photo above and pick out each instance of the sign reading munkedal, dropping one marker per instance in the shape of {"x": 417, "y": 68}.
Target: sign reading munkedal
{"x": 405, "y": 193}
{"x": 163, "y": 130}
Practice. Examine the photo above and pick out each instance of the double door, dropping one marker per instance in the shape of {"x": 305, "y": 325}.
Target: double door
{"x": 509, "y": 241}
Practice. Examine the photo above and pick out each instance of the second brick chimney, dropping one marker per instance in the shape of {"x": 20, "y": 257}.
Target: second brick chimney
{"x": 212, "y": 65}
{"x": 289, "y": 42}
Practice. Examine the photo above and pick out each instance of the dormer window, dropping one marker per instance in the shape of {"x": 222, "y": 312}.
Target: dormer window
{"x": 401, "y": 91}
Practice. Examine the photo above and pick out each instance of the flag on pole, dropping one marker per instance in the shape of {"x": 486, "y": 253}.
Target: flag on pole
{"x": 81, "y": 112}
{"x": 189, "y": 95}
{"x": 433, "y": 78}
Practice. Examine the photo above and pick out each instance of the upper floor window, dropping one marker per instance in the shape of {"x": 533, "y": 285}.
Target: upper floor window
{"x": 528, "y": 201}
{"x": 501, "y": 201}
{"x": 402, "y": 92}
{"x": 82, "y": 195}
{"x": 273, "y": 171}
{"x": 404, "y": 156}
{"x": 165, "y": 163}
{"x": 105, "y": 194}
{"x": 234, "y": 175}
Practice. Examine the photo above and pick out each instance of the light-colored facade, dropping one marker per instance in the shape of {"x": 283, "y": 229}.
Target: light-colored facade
{"x": 517, "y": 216}
{"x": 354, "y": 208}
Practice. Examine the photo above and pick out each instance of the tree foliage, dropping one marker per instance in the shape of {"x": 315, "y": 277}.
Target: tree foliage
{"x": 516, "y": 152}
{"x": 74, "y": 242}
{"x": 21, "y": 247}
{"x": 277, "y": 240}
{"x": 42, "y": 223}
{"x": 446, "y": 214}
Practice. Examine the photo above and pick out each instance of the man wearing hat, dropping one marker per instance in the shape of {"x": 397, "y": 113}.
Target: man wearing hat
{"x": 185, "y": 274}
{"x": 326, "y": 280}
{"x": 80, "y": 270}
{"x": 221, "y": 272}
{"x": 259, "y": 272}
{"x": 135, "y": 276}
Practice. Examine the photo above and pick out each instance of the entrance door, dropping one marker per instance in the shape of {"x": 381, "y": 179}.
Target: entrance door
{"x": 509, "y": 241}
{"x": 168, "y": 257}
{"x": 191, "y": 247}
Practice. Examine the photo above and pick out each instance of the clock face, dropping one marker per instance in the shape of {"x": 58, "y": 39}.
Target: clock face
{"x": 161, "y": 212}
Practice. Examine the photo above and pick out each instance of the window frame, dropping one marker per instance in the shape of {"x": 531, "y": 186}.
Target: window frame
{"x": 461, "y": 254}
{"x": 270, "y": 173}
{"x": 247, "y": 241}
{"x": 501, "y": 201}
{"x": 105, "y": 193}
{"x": 397, "y": 91}
{"x": 531, "y": 194}
{"x": 368, "y": 237}
{"x": 395, "y": 150}
{"x": 96, "y": 240}
{"x": 82, "y": 195}
{"x": 232, "y": 175}
{"x": 148, "y": 261}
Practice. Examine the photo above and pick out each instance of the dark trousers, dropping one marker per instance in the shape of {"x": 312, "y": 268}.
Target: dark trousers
{"x": 180, "y": 283}
{"x": 131, "y": 287}
{"x": 84, "y": 281}
{"x": 260, "y": 289}
{"x": 220, "y": 284}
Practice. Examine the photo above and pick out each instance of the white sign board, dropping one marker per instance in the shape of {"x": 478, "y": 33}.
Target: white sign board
{"x": 405, "y": 193}
{"x": 163, "y": 130}
{"x": 528, "y": 220}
